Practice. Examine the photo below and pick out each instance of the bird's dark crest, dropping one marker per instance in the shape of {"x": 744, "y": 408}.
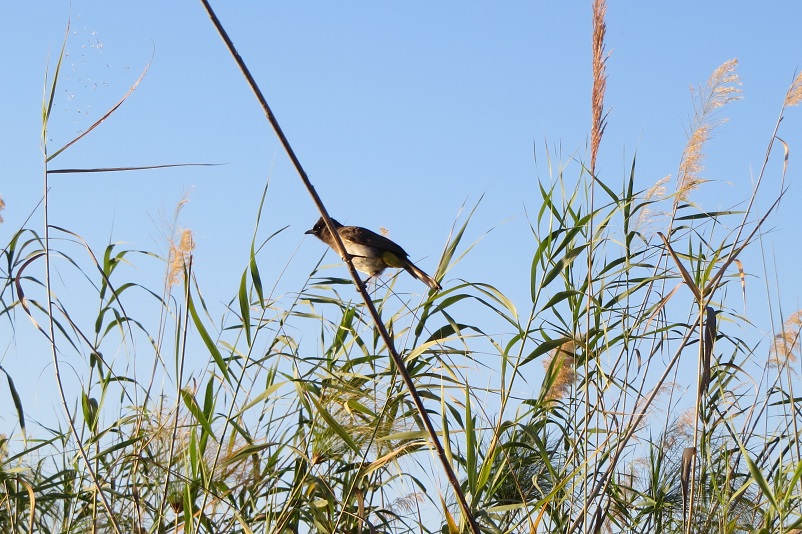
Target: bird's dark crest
{"x": 320, "y": 225}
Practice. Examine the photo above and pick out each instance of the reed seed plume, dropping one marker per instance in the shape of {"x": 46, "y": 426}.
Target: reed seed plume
{"x": 721, "y": 88}
{"x": 179, "y": 256}
{"x": 163, "y": 429}
{"x": 647, "y": 217}
{"x": 599, "y": 81}
{"x": 2, "y": 207}
{"x": 658, "y": 189}
{"x": 680, "y": 432}
{"x": 179, "y": 244}
{"x": 340, "y": 401}
{"x": 785, "y": 346}
{"x": 407, "y": 503}
{"x": 564, "y": 366}
{"x": 794, "y": 95}
{"x": 663, "y": 390}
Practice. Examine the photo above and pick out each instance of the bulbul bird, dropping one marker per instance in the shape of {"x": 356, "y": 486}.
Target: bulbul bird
{"x": 370, "y": 252}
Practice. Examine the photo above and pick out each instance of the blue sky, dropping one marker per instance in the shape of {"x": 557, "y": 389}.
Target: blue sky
{"x": 401, "y": 114}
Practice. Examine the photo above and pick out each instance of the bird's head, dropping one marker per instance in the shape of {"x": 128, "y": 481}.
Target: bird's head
{"x": 319, "y": 229}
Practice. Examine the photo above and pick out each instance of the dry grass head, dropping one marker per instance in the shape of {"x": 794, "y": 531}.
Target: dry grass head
{"x": 599, "y": 81}
{"x": 794, "y": 95}
{"x": 180, "y": 253}
{"x": 2, "y": 207}
{"x": 180, "y": 244}
{"x": 721, "y": 89}
{"x": 785, "y": 346}
{"x": 408, "y": 503}
{"x": 169, "y": 445}
{"x": 658, "y": 190}
{"x": 564, "y": 366}
{"x": 647, "y": 217}
{"x": 681, "y": 431}
{"x": 662, "y": 391}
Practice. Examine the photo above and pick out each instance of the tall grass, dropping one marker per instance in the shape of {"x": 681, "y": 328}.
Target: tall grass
{"x": 378, "y": 422}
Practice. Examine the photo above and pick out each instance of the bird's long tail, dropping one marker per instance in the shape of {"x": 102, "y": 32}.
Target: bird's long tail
{"x": 420, "y": 275}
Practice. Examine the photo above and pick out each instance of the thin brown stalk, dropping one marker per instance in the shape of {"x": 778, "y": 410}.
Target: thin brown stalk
{"x": 340, "y": 248}
{"x": 596, "y": 132}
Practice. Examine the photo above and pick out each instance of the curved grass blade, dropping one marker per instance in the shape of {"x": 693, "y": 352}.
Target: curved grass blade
{"x": 12, "y": 389}
{"x": 207, "y": 339}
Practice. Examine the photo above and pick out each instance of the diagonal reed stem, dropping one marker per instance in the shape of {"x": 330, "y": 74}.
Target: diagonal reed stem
{"x": 340, "y": 248}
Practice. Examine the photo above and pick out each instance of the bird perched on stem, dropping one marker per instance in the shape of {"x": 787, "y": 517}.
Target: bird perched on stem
{"x": 370, "y": 252}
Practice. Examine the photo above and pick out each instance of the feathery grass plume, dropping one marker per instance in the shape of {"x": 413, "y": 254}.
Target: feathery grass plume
{"x": 794, "y": 95}
{"x": 562, "y": 358}
{"x": 169, "y": 448}
{"x": 179, "y": 256}
{"x": 658, "y": 189}
{"x": 2, "y": 207}
{"x": 599, "y": 81}
{"x": 786, "y": 343}
{"x": 656, "y": 192}
{"x": 350, "y": 392}
{"x": 720, "y": 90}
{"x": 662, "y": 390}
{"x": 407, "y": 503}
{"x": 680, "y": 432}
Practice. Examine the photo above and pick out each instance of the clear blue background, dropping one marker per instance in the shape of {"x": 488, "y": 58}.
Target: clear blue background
{"x": 401, "y": 114}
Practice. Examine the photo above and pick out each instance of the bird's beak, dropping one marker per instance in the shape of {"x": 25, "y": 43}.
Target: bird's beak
{"x": 312, "y": 231}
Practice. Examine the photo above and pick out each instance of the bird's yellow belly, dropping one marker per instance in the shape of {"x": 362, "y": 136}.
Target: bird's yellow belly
{"x": 371, "y": 260}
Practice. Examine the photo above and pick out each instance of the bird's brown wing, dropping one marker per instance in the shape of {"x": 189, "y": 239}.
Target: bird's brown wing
{"x": 371, "y": 239}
